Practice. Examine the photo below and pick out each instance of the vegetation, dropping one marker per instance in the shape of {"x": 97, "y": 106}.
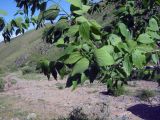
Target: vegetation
{"x": 106, "y": 53}
{"x": 2, "y": 84}
{"x": 145, "y": 95}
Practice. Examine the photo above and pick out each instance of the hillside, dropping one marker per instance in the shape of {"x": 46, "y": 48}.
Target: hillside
{"x": 25, "y": 48}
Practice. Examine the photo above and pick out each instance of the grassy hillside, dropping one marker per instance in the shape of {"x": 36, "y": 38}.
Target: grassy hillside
{"x": 25, "y": 48}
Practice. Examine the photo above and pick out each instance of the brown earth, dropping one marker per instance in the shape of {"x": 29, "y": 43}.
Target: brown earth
{"x": 49, "y": 99}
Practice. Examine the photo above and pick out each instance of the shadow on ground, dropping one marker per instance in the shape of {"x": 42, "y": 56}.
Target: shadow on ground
{"x": 146, "y": 112}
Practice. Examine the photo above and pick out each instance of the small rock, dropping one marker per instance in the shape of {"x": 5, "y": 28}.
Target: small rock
{"x": 32, "y": 116}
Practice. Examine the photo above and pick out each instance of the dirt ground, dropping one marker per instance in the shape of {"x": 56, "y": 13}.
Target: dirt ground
{"x": 50, "y": 99}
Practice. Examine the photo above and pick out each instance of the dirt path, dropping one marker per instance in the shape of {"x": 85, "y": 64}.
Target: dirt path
{"x": 49, "y": 99}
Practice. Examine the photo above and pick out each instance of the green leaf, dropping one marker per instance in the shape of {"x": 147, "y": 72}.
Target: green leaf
{"x": 123, "y": 47}
{"x": 83, "y": 78}
{"x": 76, "y": 3}
{"x": 51, "y": 13}
{"x": 145, "y": 48}
{"x": 124, "y": 31}
{"x": 155, "y": 58}
{"x": 74, "y": 85}
{"x": 80, "y": 66}
{"x": 95, "y": 27}
{"x": 145, "y": 38}
{"x": 138, "y": 58}
{"x": 60, "y": 42}
{"x": 114, "y": 39}
{"x": 2, "y": 12}
{"x": 110, "y": 49}
{"x": 127, "y": 65}
{"x": 84, "y": 31}
{"x": 61, "y": 24}
{"x": 73, "y": 30}
{"x": 103, "y": 58}
{"x": 96, "y": 37}
{"x": 153, "y": 25}
{"x": 94, "y": 24}
{"x": 131, "y": 45}
{"x": 153, "y": 34}
{"x": 81, "y": 19}
{"x": 84, "y": 9}
{"x": 74, "y": 57}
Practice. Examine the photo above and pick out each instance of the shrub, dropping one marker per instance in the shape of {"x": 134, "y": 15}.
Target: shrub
{"x": 145, "y": 95}
{"x": 120, "y": 90}
{"x": 2, "y": 84}
{"x": 1, "y": 71}
{"x": 60, "y": 86}
{"x": 13, "y": 82}
{"x": 78, "y": 114}
{"x": 27, "y": 70}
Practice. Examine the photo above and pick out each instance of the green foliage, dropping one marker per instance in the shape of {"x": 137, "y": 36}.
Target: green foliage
{"x": 120, "y": 90}
{"x": 27, "y": 70}
{"x": 103, "y": 58}
{"x": 145, "y": 95}
{"x": 2, "y": 84}
{"x": 13, "y": 82}
{"x": 78, "y": 114}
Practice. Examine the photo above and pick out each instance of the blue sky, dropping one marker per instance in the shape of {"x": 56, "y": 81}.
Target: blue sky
{"x": 10, "y": 7}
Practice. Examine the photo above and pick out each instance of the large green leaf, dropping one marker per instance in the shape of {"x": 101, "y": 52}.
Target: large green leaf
{"x": 103, "y": 57}
{"x": 110, "y": 49}
{"x": 80, "y": 66}
{"x": 84, "y": 9}
{"x": 153, "y": 25}
{"x": 76, "y": 3}
{"x": 127, "y": 65}
{"x": 124, "y": 31}
{"x": 153, "y": 34}
{"x": 84, "y": 31}
{"x": 61, "y": 24}
{"x": 60, "y": 42}
{"x": 74, "y": 57}
{"x": 138, "y": 58}
{"x": 145, "y": 38}
{"x": 144, "y": 48}
{"x": 114, "y": 39}
{"x": 95, "y": 27}
{"x": 81, "y": 19}
{"x": 155, "y": 58}
{"x": 73, "y": 30}
{"x": 131, "y": 45}
{"x": 51, "y": 13}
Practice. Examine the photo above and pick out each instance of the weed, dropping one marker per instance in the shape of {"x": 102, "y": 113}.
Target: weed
{"x": 2, "y": 84}
{"x": 118, "y": 91}
{"x": 145, "y": 95}
{"x": 27, "y": 70}
{"x": 78, "y": 114}
{"x": 60, "y": 86}
{"x": 13, "y": 82}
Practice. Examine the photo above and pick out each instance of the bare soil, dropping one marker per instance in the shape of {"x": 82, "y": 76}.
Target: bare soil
{"x": 50, "y": 99}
